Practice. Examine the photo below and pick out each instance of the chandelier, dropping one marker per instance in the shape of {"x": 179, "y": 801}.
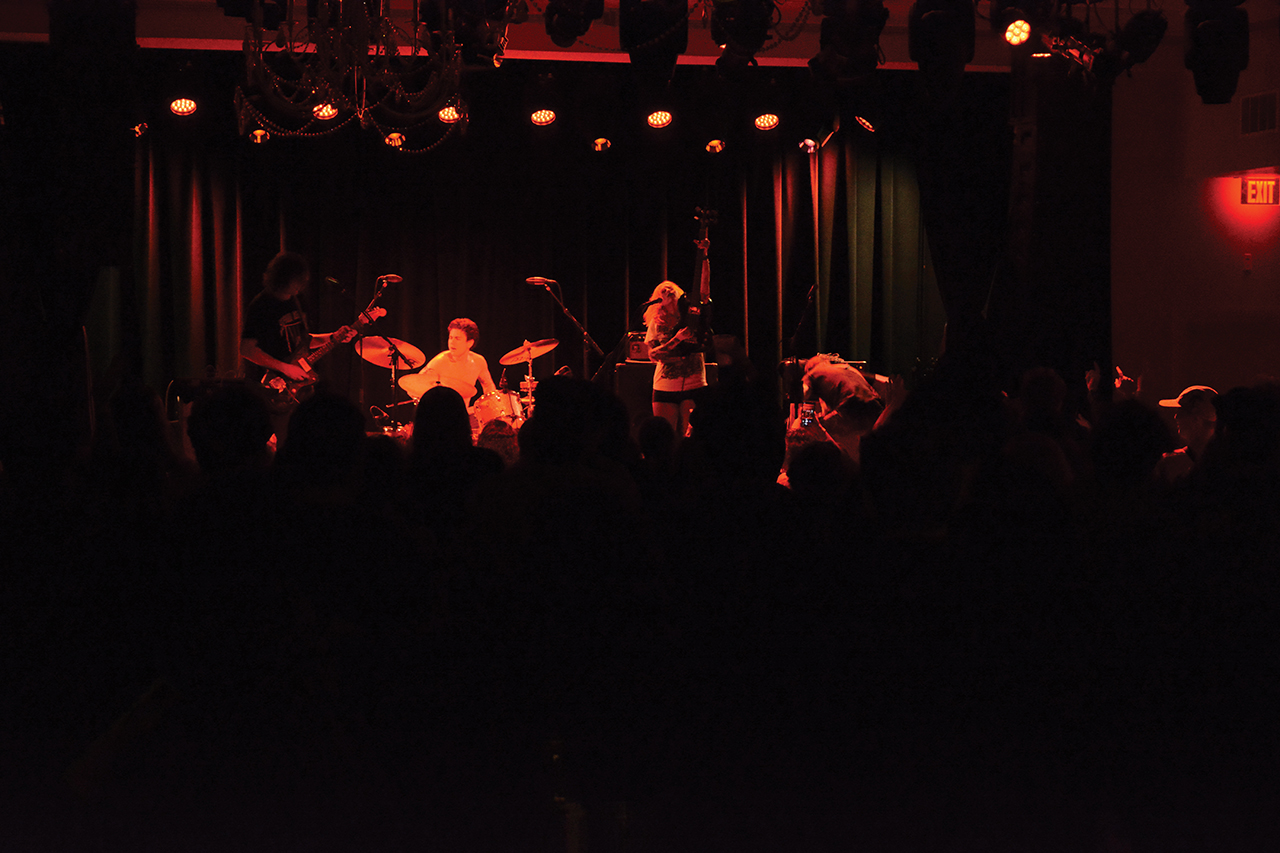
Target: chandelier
{"x": 332, "y": 63}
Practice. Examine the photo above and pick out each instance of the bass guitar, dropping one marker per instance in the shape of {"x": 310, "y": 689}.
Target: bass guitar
{"x": 283, "y": 393}
{"x": 696, "y": 315}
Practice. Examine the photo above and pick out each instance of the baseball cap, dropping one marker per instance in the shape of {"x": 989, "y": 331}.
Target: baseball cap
{"x": 1197, "y": 399}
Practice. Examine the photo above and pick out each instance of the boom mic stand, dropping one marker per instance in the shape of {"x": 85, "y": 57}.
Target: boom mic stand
{"x": 586, "y": 338}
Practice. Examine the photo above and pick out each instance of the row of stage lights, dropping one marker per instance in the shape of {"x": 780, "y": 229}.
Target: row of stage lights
{"x": 451, "y": 114}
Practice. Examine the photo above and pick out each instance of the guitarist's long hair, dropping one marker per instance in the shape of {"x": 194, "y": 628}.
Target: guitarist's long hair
{"x": 283, "y": 269}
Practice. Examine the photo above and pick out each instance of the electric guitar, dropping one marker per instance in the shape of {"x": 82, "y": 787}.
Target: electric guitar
{"x": 283, "y": 393}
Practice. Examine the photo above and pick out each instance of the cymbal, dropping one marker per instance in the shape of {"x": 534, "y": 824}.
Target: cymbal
{"x": 377, "y": 350}
{"x": 529, "y": 351}
{"x": 418, "y": 384}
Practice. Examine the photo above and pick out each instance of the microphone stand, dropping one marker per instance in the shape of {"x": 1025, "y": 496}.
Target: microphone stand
{"x": 396, "y": 358}
{"x": 586, "y": 338}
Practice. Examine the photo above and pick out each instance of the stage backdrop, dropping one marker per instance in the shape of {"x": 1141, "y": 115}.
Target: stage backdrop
{"x": 809, "y": 253}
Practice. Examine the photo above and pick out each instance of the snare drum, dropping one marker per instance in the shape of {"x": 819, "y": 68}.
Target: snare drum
{"x": 499, "y": 404}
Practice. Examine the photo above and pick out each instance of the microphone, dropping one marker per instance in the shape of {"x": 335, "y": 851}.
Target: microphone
{"x": 391, "y": 278}
{"x": 537, "y": 279}
{"x": 652, "y": 302}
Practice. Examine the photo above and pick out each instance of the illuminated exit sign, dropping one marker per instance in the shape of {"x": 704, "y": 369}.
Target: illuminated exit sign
{"x": 1260, "y": 190}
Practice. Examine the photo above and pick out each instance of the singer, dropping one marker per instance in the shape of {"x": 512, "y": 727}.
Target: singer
{"x": 681, "y": 372}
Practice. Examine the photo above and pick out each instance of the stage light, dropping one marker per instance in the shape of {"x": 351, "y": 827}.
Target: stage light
{"x": 766, "y": 121}
{"x": 809, "y": 146}
{"x": 740, "y": 28}
{"x": 659, "y": 118}
{"x": 259, "y": 136}
{"x": 600, "y": 144}
{"x": 450, "y": 114}
{"x": 394, "y": 139}
{"x": 542, "y": 100}
{"x": 866, "y": 123}
{"x": 1141, "y": 36}
{"x": 940, "y": 40}
{"x": 1018, "y": 32}
{"x": 182, "y": 106}
{"x": 1217, "y": 48}
{"x": 324, "y": 111}
{"x": 568, "y": 20}
{"x": 140, "y": 129}
{"x": 849, "y": 38}
{"x": 715, "y": 146}
{"x": 653, "y": 33}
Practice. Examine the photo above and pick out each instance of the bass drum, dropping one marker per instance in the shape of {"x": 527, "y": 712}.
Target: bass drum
{"x": 498, "y": 404}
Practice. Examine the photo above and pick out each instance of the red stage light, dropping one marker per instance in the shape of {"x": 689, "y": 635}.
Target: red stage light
{"x": 766, "y": 121}
{"x": 871, "y": 128}
{"x": 659, "y": 118}
{"x": 600, "y": 144}
{"x": 324, "y": 111}
{"x": 1017, "y": 32}
{"x": 542, "y": 118}
{"x": 715, "y": 146}
{"x": 259, "y": 136}
{"x": 395, "y": 140}
{"x": 450, "y": 115}
{"x": 182, "y": 106}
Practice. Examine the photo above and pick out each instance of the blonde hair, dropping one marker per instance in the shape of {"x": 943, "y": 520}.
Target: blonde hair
{"x": 670, "y": 293}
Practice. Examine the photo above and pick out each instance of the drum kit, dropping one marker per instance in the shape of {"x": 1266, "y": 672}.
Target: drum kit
{"x": 500, "y": 404}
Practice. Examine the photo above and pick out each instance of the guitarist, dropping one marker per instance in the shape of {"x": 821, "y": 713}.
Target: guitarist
{"x": 677, "y": 334}
{"x": 275, "y": 327}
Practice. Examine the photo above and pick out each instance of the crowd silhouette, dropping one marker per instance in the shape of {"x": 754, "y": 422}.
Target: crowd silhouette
{"x": 996, "y": 631}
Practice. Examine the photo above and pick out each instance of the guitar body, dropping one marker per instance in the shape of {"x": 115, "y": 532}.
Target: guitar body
{"x": 283, "y": 394}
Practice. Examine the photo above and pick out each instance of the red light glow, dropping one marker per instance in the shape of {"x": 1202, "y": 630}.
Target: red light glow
{"x": 870, "y": 128}
{"x": 1245, "y": 225}
{"x": 715, "y": 146}
{"x": 542, "y": 118}
{"x": 600, "y": 144}
{"x": 259, "y": 136}
{"x": 450, "y": 115}
{"x": 182, "y": 106}
{"x": 659, "y": 118}
{"x": 325, "y": 111}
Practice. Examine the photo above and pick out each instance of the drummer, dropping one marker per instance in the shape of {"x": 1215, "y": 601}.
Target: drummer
{"x": 458, "y": 367}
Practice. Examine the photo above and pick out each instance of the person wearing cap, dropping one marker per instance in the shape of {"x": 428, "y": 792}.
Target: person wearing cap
{"x": 1196, "y": 419}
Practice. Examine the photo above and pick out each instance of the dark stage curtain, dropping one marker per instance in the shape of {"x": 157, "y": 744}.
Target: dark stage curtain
{"x": 810, "y": 253}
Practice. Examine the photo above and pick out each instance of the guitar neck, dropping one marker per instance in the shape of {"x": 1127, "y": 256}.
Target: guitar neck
{"x": 327, "y": 347}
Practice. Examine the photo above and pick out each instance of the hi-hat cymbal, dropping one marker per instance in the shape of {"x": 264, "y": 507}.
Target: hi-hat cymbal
{"x": 380, "y": 351}
{"x": 529, "y": 351}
